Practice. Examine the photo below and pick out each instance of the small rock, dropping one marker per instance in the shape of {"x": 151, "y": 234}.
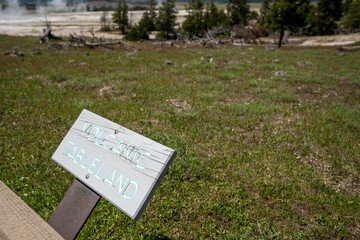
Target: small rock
{"x": 169, "y": 62}
{"x": 280, "y": 73}
{"x": 276, "y": 61}
{"x": 161, "y": 44}
{"x": 35, "y": 51}
{"x": 14, "y": 54}
{"x": 180, "y": 104}
{"x": 66, "y": 44}
{"x": 78, "y": 45}
{"x": 184, "y": 65}
{"x": 210, "y": 45}
{"x": 340, "y": 53}
{"x": 55, "y": 46}
{"x": 130, "y": 54}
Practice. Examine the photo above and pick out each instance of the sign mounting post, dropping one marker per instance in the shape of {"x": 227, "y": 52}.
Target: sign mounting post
{"x": 111, "y": 161}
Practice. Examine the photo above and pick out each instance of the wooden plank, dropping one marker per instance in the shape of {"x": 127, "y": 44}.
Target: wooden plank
{"x": 19, "y": 221}
{"x": 74, "y": 209}
{"x": 122, "y": 166}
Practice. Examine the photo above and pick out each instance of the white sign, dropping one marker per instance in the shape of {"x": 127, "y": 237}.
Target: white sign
{"x": 122, "y": 166}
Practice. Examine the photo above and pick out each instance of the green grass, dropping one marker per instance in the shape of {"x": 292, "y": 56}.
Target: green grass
{"x": 259, "y": 156}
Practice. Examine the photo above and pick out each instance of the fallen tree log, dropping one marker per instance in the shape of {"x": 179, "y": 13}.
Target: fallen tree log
{"x": 74, "y": 37}
{"x": 80, "y": 41}
{"x": 92, "y": 44}
{"x": 102, "y": 44}
{"x": 349, "y": 48}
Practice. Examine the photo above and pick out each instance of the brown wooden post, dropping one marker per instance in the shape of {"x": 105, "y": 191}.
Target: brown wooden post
{"x": 73, "y": 210}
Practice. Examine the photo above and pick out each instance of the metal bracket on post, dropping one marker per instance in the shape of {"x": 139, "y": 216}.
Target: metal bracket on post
{"x": 73, "y": 210}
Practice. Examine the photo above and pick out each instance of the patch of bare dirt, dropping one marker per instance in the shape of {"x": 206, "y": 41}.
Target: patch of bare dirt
{"x": 180, "y": 104}
{"x": 105, "y": 90}
{"x": 349, "y": 184}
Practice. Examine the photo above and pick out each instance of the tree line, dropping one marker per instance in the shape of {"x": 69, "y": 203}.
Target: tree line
{"x": 296, "y": 16}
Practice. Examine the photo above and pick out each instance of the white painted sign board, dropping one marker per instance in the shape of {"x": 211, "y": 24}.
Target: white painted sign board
{"x": 122, "y": 166}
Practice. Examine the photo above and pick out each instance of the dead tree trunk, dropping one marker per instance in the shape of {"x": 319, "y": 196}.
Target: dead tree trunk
{"x": 47, "y": 33}
{"x": 281, "y": 37}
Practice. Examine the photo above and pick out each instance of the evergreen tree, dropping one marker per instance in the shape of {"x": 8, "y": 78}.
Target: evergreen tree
{"x": 254, "y": 15}
{"x": 346, "y": 6}
{"x": 142, "y": 29}
{"x": 198, "y": 13}
{"x": 303, "y": 9}
{"x": 214, "y": 17}
{"x": 190, "y": 26}
{"x": 312, "y": 28}
{"x": 120, "y": 16}
{"x": 217, "y": 17}
{"x": 288, "y": 15}
{"x": 207, "y": 16}
{"x": 194, "y": 21}
{"x": 239, "y": 11}
{"x": 152, "y": 9}
{"x": 264, "y": 11}
{"x": 152, "y": 16}
{"x": 352, "y": 19}
{"x": 328, "y": 12}
{"x": 165, "y": 22}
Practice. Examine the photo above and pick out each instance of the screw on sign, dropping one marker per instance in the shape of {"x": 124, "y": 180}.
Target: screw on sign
{"x": 111, "y": 161}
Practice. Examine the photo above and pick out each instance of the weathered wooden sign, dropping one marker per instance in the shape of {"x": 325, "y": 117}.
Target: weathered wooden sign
{"x": 122, "y": 166}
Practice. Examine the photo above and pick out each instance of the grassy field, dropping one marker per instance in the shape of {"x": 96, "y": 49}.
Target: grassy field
{"x": 259, "y": 156}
